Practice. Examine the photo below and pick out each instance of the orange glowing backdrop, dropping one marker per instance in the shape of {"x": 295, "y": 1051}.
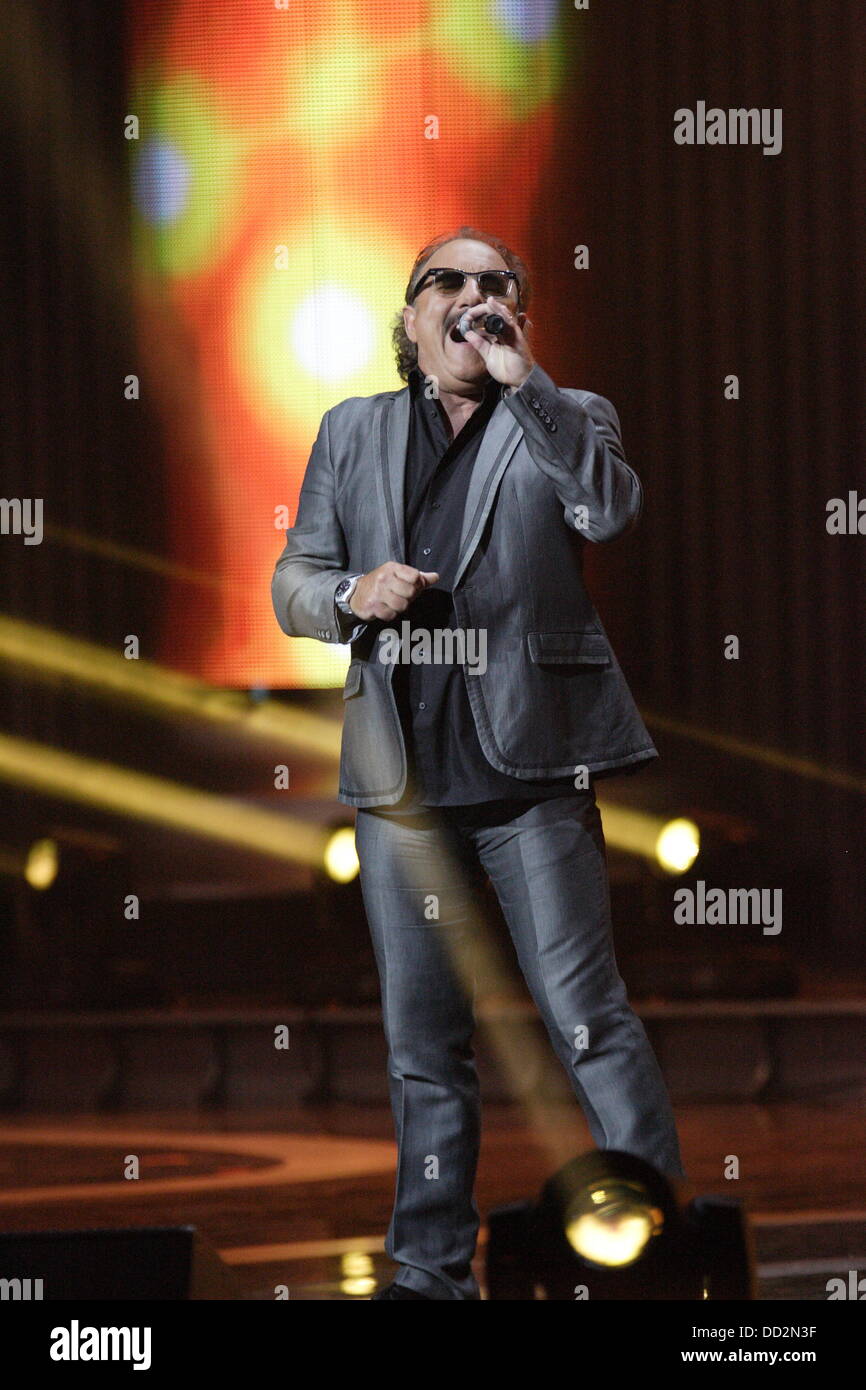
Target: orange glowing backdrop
{"x": 290, "y": 161}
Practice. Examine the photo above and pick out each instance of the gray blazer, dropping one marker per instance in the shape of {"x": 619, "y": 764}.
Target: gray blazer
{"x": 550, "y": 475}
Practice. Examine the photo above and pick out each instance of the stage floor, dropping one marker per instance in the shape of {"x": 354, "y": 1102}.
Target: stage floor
{"x": 302, "y": 1198}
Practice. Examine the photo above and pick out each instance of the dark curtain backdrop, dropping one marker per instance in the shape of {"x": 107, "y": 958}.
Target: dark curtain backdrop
{"x": 707, "y": 261}
{"x": 68, "y": 342}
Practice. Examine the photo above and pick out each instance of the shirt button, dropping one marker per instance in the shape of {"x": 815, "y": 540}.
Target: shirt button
{"x": 426, "y": 550}
{"x": 435, "y": 505}
{"x": 422, "y": 705}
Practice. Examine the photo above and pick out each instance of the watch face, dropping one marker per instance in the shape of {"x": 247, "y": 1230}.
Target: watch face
{"x": 342, "y": 589}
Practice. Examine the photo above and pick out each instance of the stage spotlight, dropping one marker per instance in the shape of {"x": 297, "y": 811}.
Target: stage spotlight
{"x": 42, "y": 863}
{"x": 38, "y": 865}
{"x": 678, "y": 845}
{"x": 341, "y": 857}
{"x": 607, "y": 1208}
{"x": 670, "y": 845}
{"x": 611, "y": 1223}
{"x": 608, "y": 1226}
{"x": 358, "y": 1279}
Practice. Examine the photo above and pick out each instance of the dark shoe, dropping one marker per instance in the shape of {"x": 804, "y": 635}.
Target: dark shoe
{"x": 399, "y": 1291}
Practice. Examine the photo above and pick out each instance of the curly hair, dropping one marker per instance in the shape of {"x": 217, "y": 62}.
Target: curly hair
{"x": 405, "y": 351}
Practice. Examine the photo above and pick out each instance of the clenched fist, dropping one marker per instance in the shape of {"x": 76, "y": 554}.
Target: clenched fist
{"x": 388, "y": 590}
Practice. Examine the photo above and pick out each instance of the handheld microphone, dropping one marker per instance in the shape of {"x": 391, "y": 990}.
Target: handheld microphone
{"x": 491, "y": 323}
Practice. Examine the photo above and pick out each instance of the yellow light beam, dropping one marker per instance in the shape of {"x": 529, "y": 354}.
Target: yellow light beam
{"x": 54, "y": 654}
{"x": 139, "y": 796}
{"x": 51, "y": 653}
{"x": 756, "y": 752}
{"x": 674, "y": 844}
{"x": 136, "y": 558}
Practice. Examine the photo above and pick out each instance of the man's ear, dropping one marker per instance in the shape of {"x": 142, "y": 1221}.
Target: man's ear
{"x": 409, "y": 323}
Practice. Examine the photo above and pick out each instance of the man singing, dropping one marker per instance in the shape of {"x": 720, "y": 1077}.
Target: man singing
{"x": 462, "y": 504}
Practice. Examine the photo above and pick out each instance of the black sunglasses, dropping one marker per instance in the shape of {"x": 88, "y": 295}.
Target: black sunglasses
{"x": 448, "y": 281}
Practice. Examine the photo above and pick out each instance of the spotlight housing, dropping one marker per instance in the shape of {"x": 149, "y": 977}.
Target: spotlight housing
{"x": 609, "y": 1226}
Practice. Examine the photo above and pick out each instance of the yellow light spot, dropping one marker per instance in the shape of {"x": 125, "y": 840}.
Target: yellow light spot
{"x": 341, "y": 857}
{"x": 358, "y": 1280}
{"x": 313, "y": 325}
{"x": 613, "y": 1225}
{"x": 678, "y": 845}
{"x": 42, "y": 864}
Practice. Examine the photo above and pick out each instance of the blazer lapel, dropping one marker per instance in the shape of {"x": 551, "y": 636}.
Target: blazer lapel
{"x": 391, "y": 437}
{"x": 501, "y": 438}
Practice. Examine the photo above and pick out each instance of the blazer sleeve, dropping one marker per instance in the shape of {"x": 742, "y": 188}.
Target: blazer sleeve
{"x": 315, "y": 557}
{"x": 579, "y": 448}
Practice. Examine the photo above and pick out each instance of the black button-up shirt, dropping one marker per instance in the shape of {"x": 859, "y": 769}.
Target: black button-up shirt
{"x": 447, "y": 765}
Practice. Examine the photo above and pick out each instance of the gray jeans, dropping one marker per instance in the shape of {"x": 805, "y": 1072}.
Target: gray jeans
{"x": 419, "y": 878}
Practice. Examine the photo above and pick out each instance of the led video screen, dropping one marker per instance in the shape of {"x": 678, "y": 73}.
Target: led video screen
{"x": 290, "y": 161}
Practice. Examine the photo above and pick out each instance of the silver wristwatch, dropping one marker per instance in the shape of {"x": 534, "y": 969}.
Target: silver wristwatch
{"x": 344, "y": 592}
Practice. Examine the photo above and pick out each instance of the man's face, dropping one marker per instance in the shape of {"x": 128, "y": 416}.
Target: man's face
{"x": 430, "y": 321}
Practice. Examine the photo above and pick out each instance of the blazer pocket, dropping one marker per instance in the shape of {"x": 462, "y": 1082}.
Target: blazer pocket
{"x": 353, "y": 680}
{"x": 583, "y": 648}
